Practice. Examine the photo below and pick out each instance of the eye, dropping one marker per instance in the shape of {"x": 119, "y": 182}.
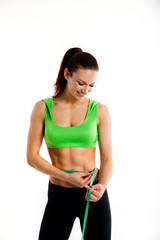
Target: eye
{"x": 81, "y": 84}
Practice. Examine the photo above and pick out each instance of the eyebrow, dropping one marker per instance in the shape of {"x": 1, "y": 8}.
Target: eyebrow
{"x": 84, "y": 81}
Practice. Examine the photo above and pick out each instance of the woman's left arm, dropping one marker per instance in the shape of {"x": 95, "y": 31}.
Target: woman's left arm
{"x": 105, "y": 149}
{"x": 105, "y": 144}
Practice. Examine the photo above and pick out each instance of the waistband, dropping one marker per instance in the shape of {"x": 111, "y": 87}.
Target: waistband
{"x": 58, "y": 187}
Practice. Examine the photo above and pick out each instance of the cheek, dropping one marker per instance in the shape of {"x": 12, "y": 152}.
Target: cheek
{"x": 75, "y": 86}
{"x": 71, "y": 85}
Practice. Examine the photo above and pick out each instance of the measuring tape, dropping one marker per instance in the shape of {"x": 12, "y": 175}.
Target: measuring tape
{"x": 89, "y": 195}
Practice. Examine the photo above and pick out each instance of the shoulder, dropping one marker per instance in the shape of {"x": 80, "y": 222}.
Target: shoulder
{"x": 38, "y": 110}
{"x": 103, "y": 113}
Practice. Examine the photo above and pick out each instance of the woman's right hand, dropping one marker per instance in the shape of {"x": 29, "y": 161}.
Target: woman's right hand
{"x": 79, "y": 179}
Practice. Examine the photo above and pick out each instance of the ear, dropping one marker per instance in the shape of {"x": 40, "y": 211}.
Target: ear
{"x": 66, "y": 73}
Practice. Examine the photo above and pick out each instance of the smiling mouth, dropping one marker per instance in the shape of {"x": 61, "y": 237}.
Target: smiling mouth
{"x": 81, "y": 94}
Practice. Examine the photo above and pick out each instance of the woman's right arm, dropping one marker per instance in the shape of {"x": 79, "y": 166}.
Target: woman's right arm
{"x": 34, "y": 142}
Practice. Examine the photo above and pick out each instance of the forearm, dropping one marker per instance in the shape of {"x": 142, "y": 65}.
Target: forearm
{"x": 45, "y": 167}
{"x": 105, "y": 172}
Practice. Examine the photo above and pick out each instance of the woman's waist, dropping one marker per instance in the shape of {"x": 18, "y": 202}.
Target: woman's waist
{"x": 74, "y": 164}
{"x": 63, "y": 183}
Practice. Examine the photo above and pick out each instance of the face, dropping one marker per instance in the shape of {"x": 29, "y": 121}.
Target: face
{"x": 81, "y": 82}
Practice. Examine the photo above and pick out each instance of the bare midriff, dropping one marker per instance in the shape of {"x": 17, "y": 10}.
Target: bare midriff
{"x": 72, "y": 158}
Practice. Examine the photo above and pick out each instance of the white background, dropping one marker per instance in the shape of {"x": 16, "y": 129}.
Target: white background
{"x": 124, "y": 37}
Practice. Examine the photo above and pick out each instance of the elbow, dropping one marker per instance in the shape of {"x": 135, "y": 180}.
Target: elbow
{"x": 109, "y": 163}
{"x": 30, "y": 159}
{"x": 112, "y": 164}
{"x": 29, "y": 162}
{"x": 108, "y": 160}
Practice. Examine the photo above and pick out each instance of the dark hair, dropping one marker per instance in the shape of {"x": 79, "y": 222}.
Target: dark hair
{"x": 73, "y": 59}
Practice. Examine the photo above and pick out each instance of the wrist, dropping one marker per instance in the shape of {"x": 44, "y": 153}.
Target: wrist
{"x": 62, "y": 175}
{"x": 65, "y": 176}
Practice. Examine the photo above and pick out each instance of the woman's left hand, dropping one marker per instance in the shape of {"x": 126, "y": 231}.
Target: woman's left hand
{"x": 97, "y": 192}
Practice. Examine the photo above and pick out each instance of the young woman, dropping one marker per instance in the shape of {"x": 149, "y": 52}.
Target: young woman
{"x": 71, "y": 125}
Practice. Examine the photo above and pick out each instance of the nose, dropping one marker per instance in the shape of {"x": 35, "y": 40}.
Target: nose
{"x": 85, "y": 90}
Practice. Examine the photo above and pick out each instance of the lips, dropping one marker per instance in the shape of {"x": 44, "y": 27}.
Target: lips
{"x": 81, "y": 94}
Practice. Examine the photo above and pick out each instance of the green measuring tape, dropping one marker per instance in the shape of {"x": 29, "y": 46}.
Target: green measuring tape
{"x": 89, "y": 195}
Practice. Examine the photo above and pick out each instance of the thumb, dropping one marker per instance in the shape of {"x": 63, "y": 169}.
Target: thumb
{"x": 87, "y": 174}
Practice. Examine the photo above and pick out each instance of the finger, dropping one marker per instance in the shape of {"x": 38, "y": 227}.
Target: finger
{"x": 85, "y": 174}
{"x": 88, "y": 176}
{"x": 95, "y": 194}
{"x": 97, "y": 187}
{"x": 92, "y": 198}
{"x": 86, "y": 196}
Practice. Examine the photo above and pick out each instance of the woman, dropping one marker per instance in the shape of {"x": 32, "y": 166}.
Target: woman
{"x": 71, "y": 125}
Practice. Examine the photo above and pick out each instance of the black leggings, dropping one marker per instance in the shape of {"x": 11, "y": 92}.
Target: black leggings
{"x": 65, "y": 204}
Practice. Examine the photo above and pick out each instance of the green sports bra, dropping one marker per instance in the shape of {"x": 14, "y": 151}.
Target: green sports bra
{"x": 82, "y": 135}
